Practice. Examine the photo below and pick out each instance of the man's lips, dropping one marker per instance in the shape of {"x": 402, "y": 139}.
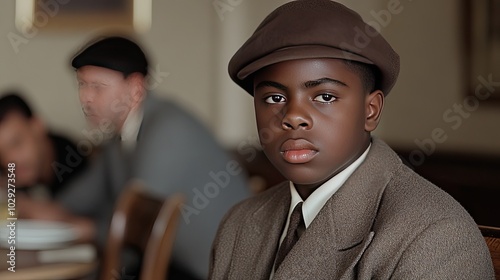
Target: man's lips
{"x": 298, "y": 151}
{"x": 90, "y": 115}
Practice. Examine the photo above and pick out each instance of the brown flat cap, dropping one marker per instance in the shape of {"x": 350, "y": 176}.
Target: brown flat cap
{"x": 314, "y": 29}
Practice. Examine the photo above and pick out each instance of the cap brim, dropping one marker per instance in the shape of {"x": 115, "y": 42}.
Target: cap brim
{"x": 298, "y": 52}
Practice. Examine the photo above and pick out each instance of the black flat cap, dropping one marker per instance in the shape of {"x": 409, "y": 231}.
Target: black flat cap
{"x": 116, "y": 53}
{"x": 314, "y": 29}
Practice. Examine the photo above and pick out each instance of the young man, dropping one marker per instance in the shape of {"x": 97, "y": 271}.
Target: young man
{"x": 161, "y": 145}
{"x": 351, "y": 209}
{"x": 45, "y": 162}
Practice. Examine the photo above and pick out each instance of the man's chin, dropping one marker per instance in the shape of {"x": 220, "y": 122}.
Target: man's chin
{"x": 105, "y": 129}
{"x": 23, "y": 182}
{"x": 92, "y": 121}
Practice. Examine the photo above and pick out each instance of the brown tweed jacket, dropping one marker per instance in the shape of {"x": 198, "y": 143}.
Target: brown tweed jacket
{"x": 385, "y": 222}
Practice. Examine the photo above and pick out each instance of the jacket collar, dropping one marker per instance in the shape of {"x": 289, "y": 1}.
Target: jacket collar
{"x": 350, "y": 212}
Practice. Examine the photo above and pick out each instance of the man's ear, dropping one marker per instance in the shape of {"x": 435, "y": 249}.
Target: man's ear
{"x": 374, "y": 104}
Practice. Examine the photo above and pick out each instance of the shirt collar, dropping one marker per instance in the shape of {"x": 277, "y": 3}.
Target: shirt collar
{"x": 316, "y": 201}
{"x": 131, "y": 127}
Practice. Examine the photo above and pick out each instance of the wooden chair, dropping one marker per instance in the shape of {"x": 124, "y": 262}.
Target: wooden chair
{"x": 492, "y": 237}
{"x": 145, "y": 223}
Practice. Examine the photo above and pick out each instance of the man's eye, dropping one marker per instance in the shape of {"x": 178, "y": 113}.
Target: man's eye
{"x": 274, "y": 99}
{"x": 325, "y": 98}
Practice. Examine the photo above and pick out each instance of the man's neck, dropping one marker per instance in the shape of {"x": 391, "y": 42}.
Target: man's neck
{"x": 131, "y": 126}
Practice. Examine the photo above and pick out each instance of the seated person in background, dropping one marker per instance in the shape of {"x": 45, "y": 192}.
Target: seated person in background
{"x": 45, "y": 162}
{"x": 351, "y": 209}
{"x": 161, "y": 145}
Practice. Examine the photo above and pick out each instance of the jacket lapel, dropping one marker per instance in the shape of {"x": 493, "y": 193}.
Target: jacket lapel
{"x": 335, "y": 241}
{"x": 253, "y": 255}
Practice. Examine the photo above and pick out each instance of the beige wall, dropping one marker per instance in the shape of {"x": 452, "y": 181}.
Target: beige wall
{"x": 428, "y": 37}
{"x": 192, "y": 41}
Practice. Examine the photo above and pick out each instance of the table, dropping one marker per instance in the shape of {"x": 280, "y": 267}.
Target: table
{"x": 60, "y": 271}
{"x": 72, "y": 262}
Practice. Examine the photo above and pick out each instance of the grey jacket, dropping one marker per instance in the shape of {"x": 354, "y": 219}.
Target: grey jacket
{"x": 174, "y": 153}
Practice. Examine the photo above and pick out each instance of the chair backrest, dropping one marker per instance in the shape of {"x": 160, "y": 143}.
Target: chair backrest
{"x": 492, "y": 237}
{"x": 145, "y": 223}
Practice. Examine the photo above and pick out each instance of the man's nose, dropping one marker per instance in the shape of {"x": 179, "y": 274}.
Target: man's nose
{"x": 296, "y": 116}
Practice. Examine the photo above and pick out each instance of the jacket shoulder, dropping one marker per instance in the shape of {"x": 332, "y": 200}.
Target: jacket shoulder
{"x": 248, "y": 206}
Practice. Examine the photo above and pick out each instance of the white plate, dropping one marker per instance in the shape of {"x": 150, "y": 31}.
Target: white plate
{"x": 35, "y": 235}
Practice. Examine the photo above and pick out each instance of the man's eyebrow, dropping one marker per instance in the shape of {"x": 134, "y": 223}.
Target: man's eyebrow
{"x": 314, "y": 83}
{"x": 271, "y": 84}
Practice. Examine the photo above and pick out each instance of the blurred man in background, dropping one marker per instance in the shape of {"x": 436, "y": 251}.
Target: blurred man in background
{"x": 155, "y": 141}
{"x": 45, "y": 162}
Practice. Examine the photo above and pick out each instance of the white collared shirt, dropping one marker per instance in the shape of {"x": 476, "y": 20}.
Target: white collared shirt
{"x": 318, "y": 199}
{"x": 131, "y": 127}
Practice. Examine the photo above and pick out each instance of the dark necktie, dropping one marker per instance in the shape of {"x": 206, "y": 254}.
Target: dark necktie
{"x": 295, "y": 229}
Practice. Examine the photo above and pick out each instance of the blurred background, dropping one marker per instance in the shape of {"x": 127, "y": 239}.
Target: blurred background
{"x": 449, "y": 51}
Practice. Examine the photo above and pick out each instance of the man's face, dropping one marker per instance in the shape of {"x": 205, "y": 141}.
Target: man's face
{"x": 313, "y": 118}
{"x": 105, "y": 96}
{"x": 21, "y": 142}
